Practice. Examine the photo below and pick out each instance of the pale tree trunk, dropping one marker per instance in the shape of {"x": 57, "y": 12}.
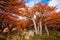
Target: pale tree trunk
{"x": 46, "y": 30}
{"x": 35, "y": 26}
{"x": 40, "y": 28}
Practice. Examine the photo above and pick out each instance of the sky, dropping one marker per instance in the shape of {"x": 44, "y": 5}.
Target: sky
{"x": 56, "y": 3}
{"x": 31, "y": 2}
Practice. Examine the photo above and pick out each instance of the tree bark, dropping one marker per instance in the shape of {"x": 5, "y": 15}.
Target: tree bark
{"x": 46, "y": 30}
{"x": 40, "y": 28}
{"x": 35, "y": 26}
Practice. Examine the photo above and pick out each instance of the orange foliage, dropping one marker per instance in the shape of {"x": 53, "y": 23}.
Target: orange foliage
{"x": 12, "y": 6}
{"x": 24, "y": 23}
{"x": 53, "y": 19}
{"x": 53, "y": 16}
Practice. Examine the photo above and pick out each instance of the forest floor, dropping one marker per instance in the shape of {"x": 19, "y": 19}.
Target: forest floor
{"x": 16, "y": 36}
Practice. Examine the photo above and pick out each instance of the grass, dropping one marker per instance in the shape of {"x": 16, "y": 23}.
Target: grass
{"x": 16, "y": 36}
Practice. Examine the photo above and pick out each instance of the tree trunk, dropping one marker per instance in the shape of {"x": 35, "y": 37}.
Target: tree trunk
{"x": 46, "y": 30}
{"x": 35, "y": 26}
{"x": 40, "y": 28}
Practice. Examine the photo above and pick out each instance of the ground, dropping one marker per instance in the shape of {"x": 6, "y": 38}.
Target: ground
{"x": 16, "y": 36}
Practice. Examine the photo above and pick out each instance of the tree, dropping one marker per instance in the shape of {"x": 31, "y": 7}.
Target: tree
{"x": 42, "y": 10}
{"x": 9, "y": 11}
